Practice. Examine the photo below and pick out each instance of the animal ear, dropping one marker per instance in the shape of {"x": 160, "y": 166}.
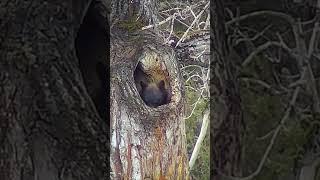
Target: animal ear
{"x": 161, "y": 85}
{"x": 143, "y": 84}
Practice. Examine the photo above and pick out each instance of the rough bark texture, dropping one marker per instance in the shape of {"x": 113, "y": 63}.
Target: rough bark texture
{"x": 225, "y": 144}
{"x": 144, "y": 9}
{"x": 147, "y": 143}
{"x": 49, "y": 126}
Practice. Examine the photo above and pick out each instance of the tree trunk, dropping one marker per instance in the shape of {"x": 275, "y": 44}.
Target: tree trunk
{"x": 227, "y": 114}
{"x": 147, "y": 143}
{"x": 49, "y": 126}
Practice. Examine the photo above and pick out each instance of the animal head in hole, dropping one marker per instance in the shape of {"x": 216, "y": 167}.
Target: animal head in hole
{"x": 153, "y": 94}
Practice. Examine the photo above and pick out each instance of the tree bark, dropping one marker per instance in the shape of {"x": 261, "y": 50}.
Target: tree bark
{"x": 49, "y": 126}
{"x": 147, "y": 143}
{"x": 227, "y": 115}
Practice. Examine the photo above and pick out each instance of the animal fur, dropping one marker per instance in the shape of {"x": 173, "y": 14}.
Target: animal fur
{"x": 153, "y": 94}
{"x": 151, "y": 88}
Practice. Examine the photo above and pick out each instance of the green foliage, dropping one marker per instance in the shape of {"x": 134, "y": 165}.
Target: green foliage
{"x": 262, "y": 114}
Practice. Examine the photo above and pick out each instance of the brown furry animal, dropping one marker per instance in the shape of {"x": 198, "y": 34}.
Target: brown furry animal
{"x": 139, "y": 75}
{"x": 153, "y": 92}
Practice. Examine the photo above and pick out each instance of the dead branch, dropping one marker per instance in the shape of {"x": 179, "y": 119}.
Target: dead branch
{"x": 203, "y": 131}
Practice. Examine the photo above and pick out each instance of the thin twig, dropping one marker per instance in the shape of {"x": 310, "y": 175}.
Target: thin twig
{"x": 160, "y": 23}
{"x": 264, "y": 47}
{"x": 202, "y": 135}
{"x": 259, "y": 13}
{"x": 192, "y": 24}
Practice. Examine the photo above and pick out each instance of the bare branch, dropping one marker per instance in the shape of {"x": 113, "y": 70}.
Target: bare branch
{"x": 266, "y": 135}
{"x": 264, "y": 47}
{"x": 254, "y": 37}
{"x": 261, "y": 83}
{"x": 160, "y": 23}
{"x": 309, "y": 171}
{"x": 297, "y": 83}
{"x": 203, "y": 131}
{"x": 192, "y": 24}
{"x": 258, "y": 81}
{"x": 195, "y": 104}
{"x": 207, "y": 24}
{"x": 313, "y": 39}
{"x": 284, "y": 16}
